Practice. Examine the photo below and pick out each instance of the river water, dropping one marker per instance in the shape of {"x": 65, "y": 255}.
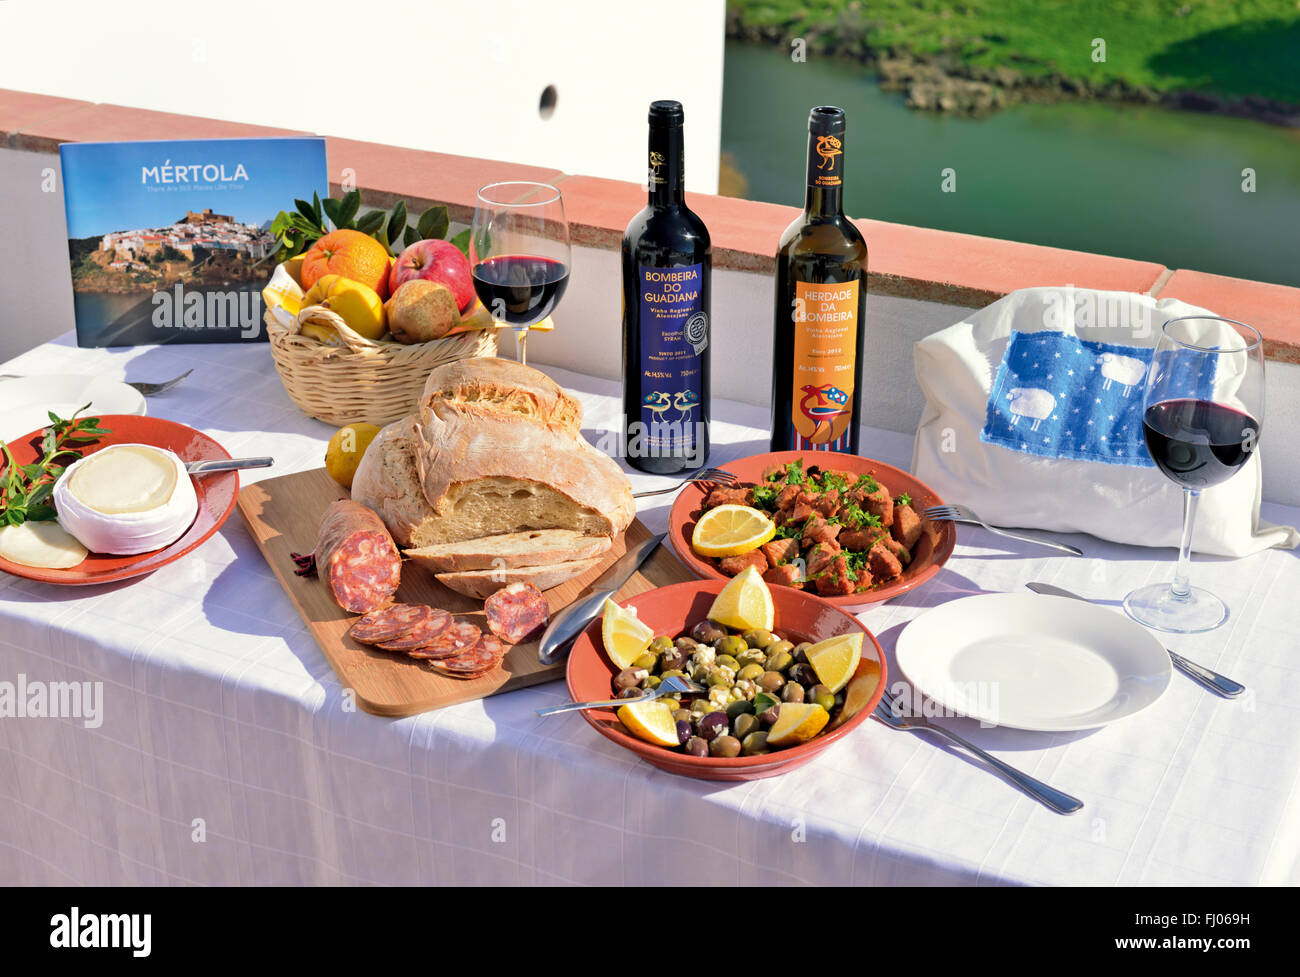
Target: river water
{"x": 1132, "y": 181}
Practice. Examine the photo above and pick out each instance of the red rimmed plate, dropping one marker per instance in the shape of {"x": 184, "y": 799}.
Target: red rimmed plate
{"x": 928, "y": 557}
{"x": 674, "y": 610}
{"x": 216, "y": 493}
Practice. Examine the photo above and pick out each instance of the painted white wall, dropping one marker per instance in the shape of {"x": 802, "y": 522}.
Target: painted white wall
{"x": 36, "y": 306}
{"x": 441, "y": 75}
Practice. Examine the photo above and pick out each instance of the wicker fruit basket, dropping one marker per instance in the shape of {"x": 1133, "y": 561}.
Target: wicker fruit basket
{"x": 363, "y": 380}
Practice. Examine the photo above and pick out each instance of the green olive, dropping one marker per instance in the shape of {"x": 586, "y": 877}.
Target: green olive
{"x": 750, "y": 673}
{"x": 771, "y": 681}
{"x": 744, "y": 724}
{"x": 755, "y": 743}
{"x": 699, "y": 672}
{"x": 717, "y": 678}
{"x": 682, "y": 715}
{"x": 648, "y": 661}
{"x": 728, "y": 661}
{"x": 823, "y": 696}
{"x": 785, "y": 646}
{"x": 672, "y": 701}
{"x": 793, "y": 692}
{"x": 779, "y": 661}
{"x": 739, "y": 708}
{"x": 651, "y": 682}
{"x": 751, "y": 657}
{"x": 661, "y": 644}
{"x": 700, "y": 707}
{"x": 673, "y": 671}
{"x": 758, "y": 638}
{"x": 724, "y": 746}
{"x": 731, "y": 645}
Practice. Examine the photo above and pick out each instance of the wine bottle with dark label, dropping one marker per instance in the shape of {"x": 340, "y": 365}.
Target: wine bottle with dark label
{"x": 821, "y": 290}
{"x": 667, "y": 261}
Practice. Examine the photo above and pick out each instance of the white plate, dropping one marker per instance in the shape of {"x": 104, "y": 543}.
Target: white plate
{"x": 1030, "y": 661}
{"x": 24, "y": 402}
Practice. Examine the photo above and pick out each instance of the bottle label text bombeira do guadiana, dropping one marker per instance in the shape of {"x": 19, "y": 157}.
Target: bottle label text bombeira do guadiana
{"x": 820, "y": 293}
{"x": 666, "y": 272}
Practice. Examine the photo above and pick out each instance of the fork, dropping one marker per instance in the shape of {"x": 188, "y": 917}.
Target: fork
{"x": 961, "y": 513}
{"x": 703, "y": 475}
{"x": 673, "y": 684}
{"x": 887, "y": 712}
{"x": 148, "y": 389}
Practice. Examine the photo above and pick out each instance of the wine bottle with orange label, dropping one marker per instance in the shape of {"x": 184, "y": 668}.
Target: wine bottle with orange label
{"x": 821, "y": 290}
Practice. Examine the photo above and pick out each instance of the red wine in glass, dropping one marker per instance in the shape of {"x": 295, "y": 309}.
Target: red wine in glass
{"x": 520, "y": 289}
{"x": 1198, "y": 443}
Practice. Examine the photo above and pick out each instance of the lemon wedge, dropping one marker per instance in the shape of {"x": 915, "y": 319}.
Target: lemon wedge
{"x": 650, "y": 721}
{"x": 836, "y": 659}
{"x": 625, "y": 637}
{"x": 859, "y": 692}
{"x": 745, "y": 603}
{"x": 729, "y": 530}
{"x": 797, "y": 722}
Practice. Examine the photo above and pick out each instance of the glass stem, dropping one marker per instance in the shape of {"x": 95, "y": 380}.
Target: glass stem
{"x": 521, "y": 339}
{"x": 1181, "y": 588}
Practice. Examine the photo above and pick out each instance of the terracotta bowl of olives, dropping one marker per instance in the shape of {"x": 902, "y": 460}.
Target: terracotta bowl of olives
{"x": 722, "y": 735}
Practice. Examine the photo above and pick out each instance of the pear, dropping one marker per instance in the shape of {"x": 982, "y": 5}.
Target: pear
{"x": 421, "y": 310}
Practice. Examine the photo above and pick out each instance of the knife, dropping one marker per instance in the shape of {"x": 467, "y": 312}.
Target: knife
{"x": 1216, "y": 683}
{"x": 572, "y": 620}
{"x": 226, "y": 465}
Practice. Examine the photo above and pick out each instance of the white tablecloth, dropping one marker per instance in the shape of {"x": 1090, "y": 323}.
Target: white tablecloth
{"x": 226, "y": 756}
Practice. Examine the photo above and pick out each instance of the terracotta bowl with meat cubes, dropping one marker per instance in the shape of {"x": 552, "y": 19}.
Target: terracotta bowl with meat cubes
{"x": 849, "y": 528}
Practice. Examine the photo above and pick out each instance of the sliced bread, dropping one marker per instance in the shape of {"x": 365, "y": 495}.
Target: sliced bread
{"x": 482, "y": 584}
{"x": 537, "y": 547}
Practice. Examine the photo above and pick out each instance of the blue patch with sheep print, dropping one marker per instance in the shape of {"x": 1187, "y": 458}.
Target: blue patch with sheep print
{"x": 1059, "y": 396}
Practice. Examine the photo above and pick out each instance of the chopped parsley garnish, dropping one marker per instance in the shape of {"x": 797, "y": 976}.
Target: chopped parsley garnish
{"x": 764, "y": 496}
{"x": 904, "y": 499}
{"x": 855, "y": 517}
{"x": 857, "y": 562}
{"x": 830, "y": 480}
{"x": 866, "y": 482}
{"x": 787, "y": 532}
{"x": 794, "y": 474}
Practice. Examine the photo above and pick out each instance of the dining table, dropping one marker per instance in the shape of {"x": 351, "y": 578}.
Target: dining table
{"x": 227, "y": 752}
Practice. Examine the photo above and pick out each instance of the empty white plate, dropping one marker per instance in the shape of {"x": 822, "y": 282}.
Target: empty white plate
{"x": 24, "y": 402}
{"x": 1030, "y": 661}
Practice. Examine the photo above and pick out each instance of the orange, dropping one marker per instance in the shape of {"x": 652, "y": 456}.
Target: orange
{"x": 351, "y": 254}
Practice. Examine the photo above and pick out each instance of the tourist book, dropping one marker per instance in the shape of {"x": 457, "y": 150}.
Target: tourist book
{"x": 170, "y": 240}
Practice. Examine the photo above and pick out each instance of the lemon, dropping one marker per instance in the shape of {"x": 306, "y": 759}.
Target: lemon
{"x": 797, "y": 722}
{"x": 730, "y": 530}
{"x": 343, "y": 453}
{"x": 859, "y": 692}
{"x": 836, "y": 659}
{"x": 625, "y": 637}
{"x": 358, "y": 305}
{"x": 650, "y": 721}
{"x": 745, "y": 603}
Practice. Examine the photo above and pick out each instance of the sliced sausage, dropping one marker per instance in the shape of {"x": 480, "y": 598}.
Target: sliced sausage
{"x": 355, "y": 557}
{"x": 516, "y": 613}
{"x": 385, "y": 623}
{"x": 485, "y": 655}
{"x": 454, "y": 640}
{"x": 420, "y": 634}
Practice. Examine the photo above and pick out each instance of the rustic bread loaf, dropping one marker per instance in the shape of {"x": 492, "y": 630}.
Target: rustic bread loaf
{"x": 538, "y": 547}
{"x": 495, "y": 448}
{"x": 484, "y": 583}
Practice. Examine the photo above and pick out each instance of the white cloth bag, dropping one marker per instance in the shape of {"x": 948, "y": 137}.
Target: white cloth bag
{"x": 957, "y": 369}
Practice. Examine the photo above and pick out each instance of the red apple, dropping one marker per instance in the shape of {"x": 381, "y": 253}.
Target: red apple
{"x": 435, "y": 261}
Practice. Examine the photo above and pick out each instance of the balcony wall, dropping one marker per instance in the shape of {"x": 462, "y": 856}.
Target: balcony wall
{"x": 921, "y": 280}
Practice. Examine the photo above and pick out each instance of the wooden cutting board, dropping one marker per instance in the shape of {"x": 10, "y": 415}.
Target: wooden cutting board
{"x": 283, "y": 514}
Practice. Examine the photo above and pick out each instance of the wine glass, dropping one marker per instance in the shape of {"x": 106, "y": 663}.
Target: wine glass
{"x": 519, "y": 251}
{"x": 1201, "y": 418}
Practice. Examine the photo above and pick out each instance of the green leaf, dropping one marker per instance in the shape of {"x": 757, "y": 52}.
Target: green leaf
{"x": 348, "y": 207}
{"x": 49, "y": 443}
{"x": 765, "y": 701}
{"x": 371, "y": 222}
{"x": 461, "y": 241}
{"x": 316, "y": 209}
{"x": 433, "y": 223}
{"x": 306, "y": 210}
{"x": 397, "y": 222}
{"x": 304, "y": 225}
{"x": 41, "y": 513}
{"x": 410, "y": 236}
{"x": 332, "y": 210}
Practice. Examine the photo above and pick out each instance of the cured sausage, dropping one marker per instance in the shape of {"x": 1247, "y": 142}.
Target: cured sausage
{"x": 387, "y": 622}
{"x": 421, "y": 634}
{"x": 355, "y": 557}
{"x": 483, "y": 657}
{"x": 452, "y": 641}
{"x": 516, "y": 612}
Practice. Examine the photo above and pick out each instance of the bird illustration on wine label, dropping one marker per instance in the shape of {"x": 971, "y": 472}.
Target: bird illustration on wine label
{"x": 686, "y": 401}
{"x": 822, "y": 405}
{"x": 657, "y": 402}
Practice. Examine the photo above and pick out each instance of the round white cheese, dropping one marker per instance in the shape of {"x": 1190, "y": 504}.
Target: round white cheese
{"x": 40, "y": 544}
{"x": 126, "y": 499}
